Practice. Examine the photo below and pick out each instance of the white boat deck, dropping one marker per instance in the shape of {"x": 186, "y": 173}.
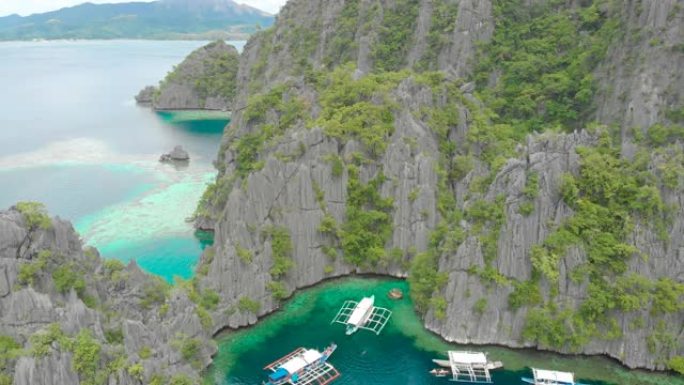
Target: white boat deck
{"x": 363, "y": 315}
{"x": 318, "y": 375}
{"x": 469, "y": 367}
{"x": 298, "y": 359}
{"x": 362, "y": 311}
{"x": 552, "y": 377}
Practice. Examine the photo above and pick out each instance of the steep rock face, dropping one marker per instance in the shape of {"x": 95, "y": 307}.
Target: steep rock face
{"x": 204, "y": 80}
{"x": 43, "y": 296}
{"x": 551, "y": 156}
{"x": 461, "y": 202}
{"x": 642, "y": 75}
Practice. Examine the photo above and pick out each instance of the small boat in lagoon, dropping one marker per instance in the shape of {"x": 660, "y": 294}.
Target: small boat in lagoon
{"x": 491, "y": 365}
{"x": 303, "y": 367}
{"x": 442, "y": 363}
{"x": 362, "y": 315}
{"x": 439, "y": 372}
{"x": 467, "y": 366}
{"x": 395, "y": 293}
{"x": 550, "y": 377}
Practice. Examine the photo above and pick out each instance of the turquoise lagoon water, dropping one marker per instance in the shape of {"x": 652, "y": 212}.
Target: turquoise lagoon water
{"x": 71, "y": 136}
{"x": 400, "y": 355}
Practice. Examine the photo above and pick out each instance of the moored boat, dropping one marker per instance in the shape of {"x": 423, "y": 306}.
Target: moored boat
{"x": 303, "y": 366}
{"x": 442, "y": 363}
{"x": 395, "y": 293}
{"x": 440, "y": 372}
{"x": 550, "y": 377}
{"x": 491, "y": 365}
{"x": 360, "y": 315}
{"x": 466, "y": 367}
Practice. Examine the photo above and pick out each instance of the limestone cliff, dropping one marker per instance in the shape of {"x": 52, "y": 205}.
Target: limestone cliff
{"x": 204, "y": 80}
{"x": 374, "y": 136}
{"x": 68, "y": 317}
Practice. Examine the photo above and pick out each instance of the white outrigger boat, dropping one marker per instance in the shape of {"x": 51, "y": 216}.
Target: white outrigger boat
{"x": 491, "y": 365}
{"x": 303, "y": 367}
{"x": 550, "y": 377}
{"x": 467, "y": 367}
{"x": 362, "y": 315}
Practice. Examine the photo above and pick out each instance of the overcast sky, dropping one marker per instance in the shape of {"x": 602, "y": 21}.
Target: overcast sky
{"x": 27, "y": 7}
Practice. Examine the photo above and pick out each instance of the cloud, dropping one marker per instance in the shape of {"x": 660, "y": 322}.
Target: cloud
{"x": 27, "y": 7}
{"x": 270, "y": 6}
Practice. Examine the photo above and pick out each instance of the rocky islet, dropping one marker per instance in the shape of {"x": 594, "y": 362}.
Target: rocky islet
{"x": 205, "y": 80}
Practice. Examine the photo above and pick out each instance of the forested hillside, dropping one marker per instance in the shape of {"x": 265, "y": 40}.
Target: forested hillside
{"x": 162, "y": 19}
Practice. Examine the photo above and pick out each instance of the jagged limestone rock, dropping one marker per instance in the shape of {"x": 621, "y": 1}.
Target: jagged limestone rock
{"x": 146, "y": 96}
{"x": 204, "y": 80}
{"x": 110, "y": 297}
{"x": 294, "y": 188}
{"x": 178, "y": 154}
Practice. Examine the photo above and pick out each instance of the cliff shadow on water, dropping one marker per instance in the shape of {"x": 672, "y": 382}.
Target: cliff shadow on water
{"x": 401, "y": 354}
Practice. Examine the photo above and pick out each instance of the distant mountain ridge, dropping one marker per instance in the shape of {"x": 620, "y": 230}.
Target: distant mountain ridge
{"x": 164, "y": 19}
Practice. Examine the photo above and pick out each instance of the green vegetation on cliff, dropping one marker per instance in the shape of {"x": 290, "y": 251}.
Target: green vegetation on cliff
{"x": 9, "y": 350}
{"x": 443, "y": 23}
{"x": 368, "y": 224}
{"x": 343, "y": 45}
{"x": 677, "y": 364}
{"x": 35, "y": 215}
{"x": 610, "y": 196}
{"x": 276, "y": 105}
{"x": 90, "y": 361}
{"x": 546, "y": 53}
{"x": 396, "y": 35}
{"x": 281, "y": 249}
{"x": 207, "y": 73}
{"x": 359, "y": 109}
{"x": 285, "y": 110}
{"x": 219, "y": 77}
{"x": 535, "y": 76}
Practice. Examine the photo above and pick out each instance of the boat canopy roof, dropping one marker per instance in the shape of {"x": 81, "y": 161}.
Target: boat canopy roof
{"x": 467, "y": 357}
{"x": 298, "y": 363}
{"x": 279, "y": 374}
{"x": 563, "y": 377}
{"x": 358, "y": 315}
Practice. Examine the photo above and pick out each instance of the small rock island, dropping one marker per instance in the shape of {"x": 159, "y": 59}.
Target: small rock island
{"x": 178, "y": 154}
{"x": 205, "y": 80}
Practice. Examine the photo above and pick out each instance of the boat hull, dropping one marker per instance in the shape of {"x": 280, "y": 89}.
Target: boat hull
{"x": 531, "y": 381}
{"x": 490, "y": 365}
{"x": 442, "y": 363}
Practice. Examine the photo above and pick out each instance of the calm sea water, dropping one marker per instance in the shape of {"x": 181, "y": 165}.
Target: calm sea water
{"x": 401, "y": 354}
{"x": 71, "y": 136}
